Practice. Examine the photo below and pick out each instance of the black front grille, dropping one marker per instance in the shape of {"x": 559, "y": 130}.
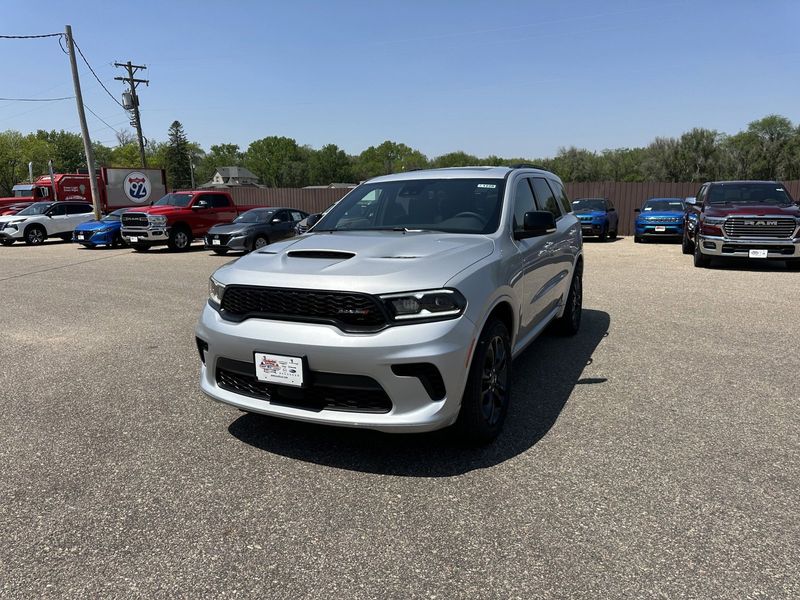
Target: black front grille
{"x": 327, "y": 391}
{"x": 349, "y": 311}
{"x": 130, "y": 219}
{"x": 223, "y": 239}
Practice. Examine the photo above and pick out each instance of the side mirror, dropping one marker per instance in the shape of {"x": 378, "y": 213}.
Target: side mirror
{"x": 276, "y": 220}
{"x": 691, "y": 201}
{"x": 312, "y": 220}
{"x": 637, "y": 210}
{"x": 199, "y": 205}
{"x": 536, "y": 223}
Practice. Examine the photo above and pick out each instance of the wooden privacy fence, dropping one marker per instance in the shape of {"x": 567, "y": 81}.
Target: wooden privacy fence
{"x": 626, "y": 196}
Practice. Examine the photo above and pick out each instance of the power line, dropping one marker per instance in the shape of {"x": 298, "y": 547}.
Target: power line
{"x": 99, "y": 118}
{"x": 30, "y": 37}
{"x": 36, "y": 99}
{"x": 78, "y": 48}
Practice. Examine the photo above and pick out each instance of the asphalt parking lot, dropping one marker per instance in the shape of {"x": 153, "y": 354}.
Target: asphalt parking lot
{"x": 657, "y": 454}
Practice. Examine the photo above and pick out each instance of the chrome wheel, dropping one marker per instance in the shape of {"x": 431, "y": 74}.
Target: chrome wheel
{"x": 181, "y": 239}
{"x": 494, "y": 381}
{"x": 34, "y": 236}
{"x": 260, "y": 242}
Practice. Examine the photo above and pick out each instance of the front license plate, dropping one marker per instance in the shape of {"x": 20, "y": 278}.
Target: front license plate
{"x": 757, "y": 253}
{"x": 283, "y": 370}
{"x": 215, "y": 242}
{"x": 660, "y": 228}
{"x": 80, "y": 236}
{"x": 134, "y": 239}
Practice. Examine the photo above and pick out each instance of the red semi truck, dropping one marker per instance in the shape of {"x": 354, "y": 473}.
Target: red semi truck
{"x": 119, "y": 188}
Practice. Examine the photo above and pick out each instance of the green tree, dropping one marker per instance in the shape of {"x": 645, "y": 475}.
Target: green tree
{"x": 278, "y": 161}
{"x": 176, "y": 158}
{"x": 773, "y": 150}
{"x": 455, "y": 159}
{"x": 577, "y": 164}
{"x": 388, "y": 157}
{"x": 329, "y": 164}
{"x": 697, "y": 155}
{"x": 66, "y": 150}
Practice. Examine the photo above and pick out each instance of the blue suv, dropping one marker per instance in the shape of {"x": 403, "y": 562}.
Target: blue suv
{"x": 598, "y": 217}
{"x": 660, "y": 218}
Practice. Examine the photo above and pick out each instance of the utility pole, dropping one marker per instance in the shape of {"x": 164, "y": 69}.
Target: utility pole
{"x": 87, "y": 143}
{"x": 132, "y": 103}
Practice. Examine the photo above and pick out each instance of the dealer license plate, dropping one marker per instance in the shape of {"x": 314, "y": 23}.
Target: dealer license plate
{"x": 80, "y": 236}
{"x": 757, "y": 253}
{"x": 134, "y": 239}
{"x": 215, "y": 242}
{"x": 283, "y": 370}
{"x": 660, "y": 228}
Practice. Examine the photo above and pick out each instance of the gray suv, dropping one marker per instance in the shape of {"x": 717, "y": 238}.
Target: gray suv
{"x": 402, "y": 308}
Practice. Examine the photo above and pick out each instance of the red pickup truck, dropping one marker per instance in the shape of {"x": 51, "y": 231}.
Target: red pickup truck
{"x": 177, "y": 219}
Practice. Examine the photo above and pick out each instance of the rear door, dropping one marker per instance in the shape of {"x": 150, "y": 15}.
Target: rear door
{"x": 79, "y": 213}
{"x": 223, "y": 209}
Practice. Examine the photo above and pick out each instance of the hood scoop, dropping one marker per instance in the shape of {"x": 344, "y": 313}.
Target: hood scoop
{"x": 324, "y": 254}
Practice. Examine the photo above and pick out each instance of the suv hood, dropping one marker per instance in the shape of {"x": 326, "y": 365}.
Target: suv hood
{"x": 756, "y": 210}
{"x": 373, "y": 262}
{"x": 590, "y": 213}
{"x": 659, "y": 214}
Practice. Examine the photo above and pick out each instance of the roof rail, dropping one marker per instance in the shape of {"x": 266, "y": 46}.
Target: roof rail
{"x": 527, "y": 166}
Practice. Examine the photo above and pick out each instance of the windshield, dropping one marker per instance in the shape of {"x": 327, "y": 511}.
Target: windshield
{"x": 749, "y": 193}
{"x": 588, "y": 204}
{"x": 449, "y": 205}
{"x": 20, "y": 192}
{"x": 181, "y": 200}
{"x": 254, "y": 216}
{"x": 37, "y": 208}
{"x": 664, "y": 205}
{"x": 113, "y": 216}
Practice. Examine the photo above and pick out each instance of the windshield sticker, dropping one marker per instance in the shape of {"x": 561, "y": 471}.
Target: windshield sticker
{"x": 488, "y": 186}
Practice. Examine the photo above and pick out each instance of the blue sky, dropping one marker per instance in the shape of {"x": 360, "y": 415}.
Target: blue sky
{"x": 495, "y": 77}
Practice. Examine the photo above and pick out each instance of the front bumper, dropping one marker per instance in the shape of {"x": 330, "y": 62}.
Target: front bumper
{"x": 649, "y": 230}
{"x": 11, "y": 234}
{"x": 592, "y": 229}
{"x": 444, "y": 344}
{"x": 238, "y": 242}
{"x": 145, "y": 235}
{"x": 93, "y": 237}
{"x": 739, "y": 248}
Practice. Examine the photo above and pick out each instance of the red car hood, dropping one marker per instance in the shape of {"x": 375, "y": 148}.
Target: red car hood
{"x": 756, "y": 210}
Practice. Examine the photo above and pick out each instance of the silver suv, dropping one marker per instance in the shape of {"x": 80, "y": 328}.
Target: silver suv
{"x": 402, "y": 308}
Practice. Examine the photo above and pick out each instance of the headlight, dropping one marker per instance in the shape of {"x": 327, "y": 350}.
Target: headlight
{"x": 215, "y": 291}
{"x": 424, "y": 305}
{"x": 11, "y": 226}
{"x": 157, "y": 219}
{"x": 714, "y": 220}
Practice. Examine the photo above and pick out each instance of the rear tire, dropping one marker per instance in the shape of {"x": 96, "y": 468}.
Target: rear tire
{"x": 35, "y": 235}
{"x": 179, "y": 239}
{"x": 570, "y": 322}
{"x": 484, "y": 405}
{"x": 220, "y": 251}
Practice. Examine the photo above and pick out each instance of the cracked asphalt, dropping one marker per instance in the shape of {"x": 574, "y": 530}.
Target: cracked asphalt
{"x": 655, "y": 455}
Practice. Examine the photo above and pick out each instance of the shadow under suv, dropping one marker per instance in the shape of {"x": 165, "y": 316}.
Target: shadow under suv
{"x": 402, "y": 309}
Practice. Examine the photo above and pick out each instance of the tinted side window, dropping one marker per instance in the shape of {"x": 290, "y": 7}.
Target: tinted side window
{"x": 523, "y": 202}
{"x": 79, "y": 209}
{"x": 219, "y": 201}
{"x": 544, "y": 197}
{"x": 561, "y": 195}
{"x": 58, "y": 210}
{"x": 283, "y": 216}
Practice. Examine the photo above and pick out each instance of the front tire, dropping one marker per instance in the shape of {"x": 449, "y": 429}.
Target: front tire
{"x": 220, "y": 251}
{"x": 793, "y": 265}
{"x": 484, "y": 405}
{"x": 612, "y": 235}
{"x": 687, "y": 247}
{"x": 35, "y": 235}
{"x": 637, "y": 239}
{"x": 140, "y": 247}
{"x": 259, "y": 242}
{"x": 603, "y": 235}
{"x": 701, "y": 261}
{"x": 7, "y": 242}
{"x": 179, "y": 239}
